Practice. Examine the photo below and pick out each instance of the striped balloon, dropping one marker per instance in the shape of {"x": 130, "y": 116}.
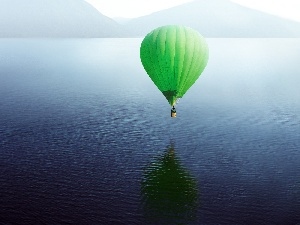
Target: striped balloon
{"x": 174, "y": 57}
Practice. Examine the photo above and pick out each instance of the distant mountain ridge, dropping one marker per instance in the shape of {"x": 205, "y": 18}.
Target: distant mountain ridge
{"x": 77, "y": 18}
{"x": 54, "y": 18}
{"x": 217, "y": 18}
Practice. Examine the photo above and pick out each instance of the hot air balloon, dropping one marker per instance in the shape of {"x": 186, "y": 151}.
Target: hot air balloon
{"x": 174, "y": 56}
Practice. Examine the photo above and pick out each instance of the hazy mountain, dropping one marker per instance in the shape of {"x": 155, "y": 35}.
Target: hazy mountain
{"x": 121, "y": 20}
{"x": 54, "y": 18}
{"x": 217, "y": 18}
{"x": 77, "y": 18}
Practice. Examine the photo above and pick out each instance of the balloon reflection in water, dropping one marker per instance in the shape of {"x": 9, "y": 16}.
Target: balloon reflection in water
{"x": 170, "y": 194}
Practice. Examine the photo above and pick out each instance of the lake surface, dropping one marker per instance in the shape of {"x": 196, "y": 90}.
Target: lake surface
{"x": 86, "y": 138}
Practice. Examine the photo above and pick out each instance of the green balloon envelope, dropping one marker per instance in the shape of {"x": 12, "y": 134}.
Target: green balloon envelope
{"x": 174, "y": 57}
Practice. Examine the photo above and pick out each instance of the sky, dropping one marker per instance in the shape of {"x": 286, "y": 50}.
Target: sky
{"x": 135, "y": 8}
{"x": 289, "y": 9}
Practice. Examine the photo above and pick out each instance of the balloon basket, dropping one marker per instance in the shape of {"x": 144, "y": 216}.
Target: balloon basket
{"x": 173, "y": 114}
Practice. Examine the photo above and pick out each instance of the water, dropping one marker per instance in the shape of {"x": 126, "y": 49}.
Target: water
{"x": 86, "y": 138}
